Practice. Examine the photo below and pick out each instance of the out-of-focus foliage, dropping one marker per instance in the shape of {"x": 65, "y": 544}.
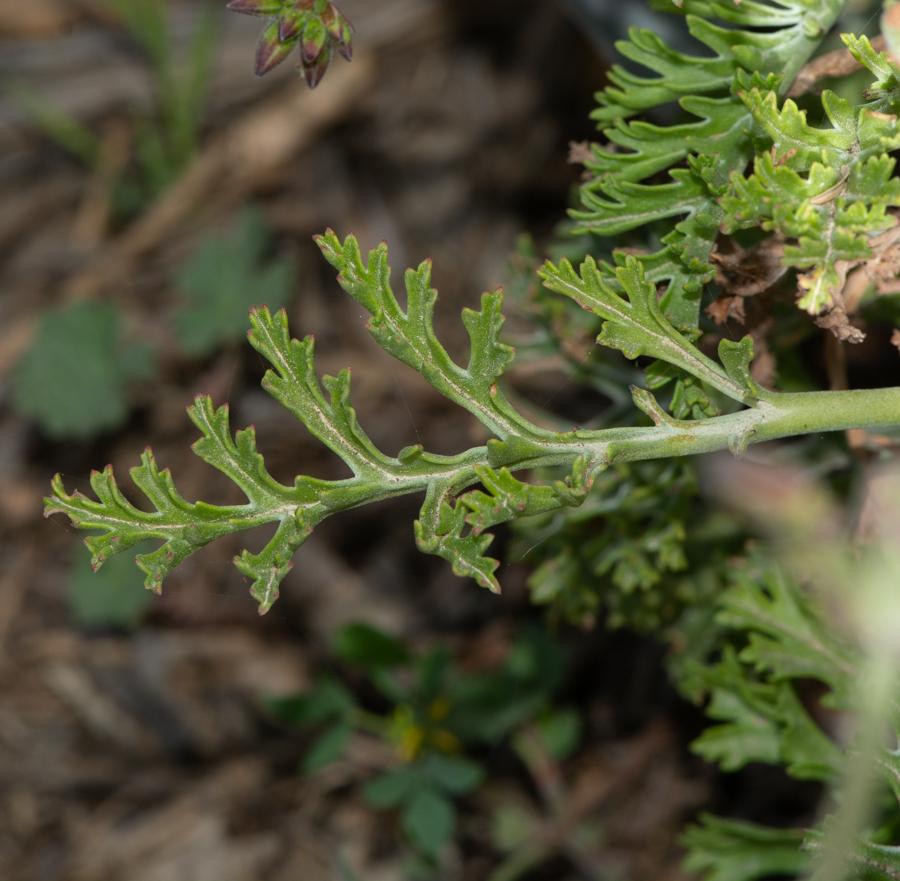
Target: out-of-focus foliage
{"x": 435, "y": 711}
{"x": 226, "y": 276}
{"x": 111, "y": 598}
{"x": 74, "y": 379}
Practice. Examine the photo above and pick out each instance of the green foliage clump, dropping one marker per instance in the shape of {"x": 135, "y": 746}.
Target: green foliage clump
{"x": 778, "y": 639}
{"x": 436, "y": 711}
{"x": 630, "y": 552}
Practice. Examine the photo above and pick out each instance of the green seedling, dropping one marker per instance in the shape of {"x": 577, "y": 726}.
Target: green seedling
{"x": 437, "y": 712}
{"x": 224, "y": 278}
{"x": 74, "y": 380}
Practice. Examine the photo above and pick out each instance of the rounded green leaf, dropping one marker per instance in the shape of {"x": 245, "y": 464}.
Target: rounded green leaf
{"x": 113, "y": 596}
{"x": 73, "y": 381}
{"x": 429, "y": 820}
{"x": 391, "y": 788}
{"x": 456, "y": 774}
{"x": 328, "y": 748}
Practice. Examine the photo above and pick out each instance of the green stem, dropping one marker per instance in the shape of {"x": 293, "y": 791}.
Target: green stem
{"x": 776, "y": 416}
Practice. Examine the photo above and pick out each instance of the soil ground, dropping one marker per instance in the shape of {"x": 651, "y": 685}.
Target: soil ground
{"x": 147, "y": 756}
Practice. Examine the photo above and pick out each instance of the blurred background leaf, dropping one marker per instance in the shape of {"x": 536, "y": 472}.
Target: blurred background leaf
{"x": 73, "y": 381}
{"x": 112, "y": 597}
{"x": 226, "y": 277}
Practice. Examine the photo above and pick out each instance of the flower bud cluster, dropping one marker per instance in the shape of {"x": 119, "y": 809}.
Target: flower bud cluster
{"x": 317, "y": 27}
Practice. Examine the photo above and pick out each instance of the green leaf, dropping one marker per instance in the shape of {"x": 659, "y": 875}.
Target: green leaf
{"x": 455, "y": 774}
{"x": 329, "y": 699}
{"x": 433, "y": 668}
{"x": 186, "y": 527}
{"x": 226, "y": 276}
{"x": 766, "y": 723}
{"x": 750, "y": 709}
{"x": 368, "y": 647}
{"x": 709, "y": 87}
{"x": 787, "y": 637}
{"x": 429, "y": 820}
{"x": 409, "y": 336}
{"x": 440, "y": 532}
{"x": 508, "y": 498}
{"x": 827, "y": 188}
{"x": 885, "y": 92}
{"x": 111, "y": 597}
{"x": 561, "y": 732}
{"x": 732, "y": 850}
{"x": 737, "y": 357}
{"x": 74, "y": 378}
{"x": 327, "y": 748}
{"x": 635, "y": 326}
{"x": 391, "y": 788}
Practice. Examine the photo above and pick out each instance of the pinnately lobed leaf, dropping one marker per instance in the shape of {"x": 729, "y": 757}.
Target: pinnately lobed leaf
{"x": 452, "y": 522}
{"x": 764, "y": 50}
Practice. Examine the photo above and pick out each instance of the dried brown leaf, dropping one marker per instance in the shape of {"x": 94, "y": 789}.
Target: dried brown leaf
{"x": 764, "y": 367}
{"x": 895, "y": 338}
{"x": 724, "y": 308}
{"x": 838, "y": 323}
{"x": 746, "y": 272}
{"x": 580, "y": 152}
{"x": 884, "y": 264}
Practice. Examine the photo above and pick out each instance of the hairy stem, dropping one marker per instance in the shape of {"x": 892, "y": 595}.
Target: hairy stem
{"x": 778, "y": 416}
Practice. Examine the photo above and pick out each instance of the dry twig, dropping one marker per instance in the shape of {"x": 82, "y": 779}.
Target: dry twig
{"x": 833, "y": 64}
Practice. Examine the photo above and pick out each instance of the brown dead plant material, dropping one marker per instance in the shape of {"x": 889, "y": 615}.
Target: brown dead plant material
{"x": 742, "y": 273}
{"x": 884, "y": 264}
{"x": 837, "y": 321}
{"x": 579, "y": 152}
{"x": 833, "y": 64}
{"x": 895, "y": 338}
{"x": 881, "y": 269}
{"x": 727, "y": 308}
{"x": 764, "y": 367}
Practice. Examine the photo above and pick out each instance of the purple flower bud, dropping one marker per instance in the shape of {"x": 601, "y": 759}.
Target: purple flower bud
{"x": 316, "y": 70}
{"x": 255, "y": 7}
{"x": 313, "y": 43}
{"x": 270, "y": 52}
{"x": 339, "y": 29}
{"x": 290, "y": 24}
